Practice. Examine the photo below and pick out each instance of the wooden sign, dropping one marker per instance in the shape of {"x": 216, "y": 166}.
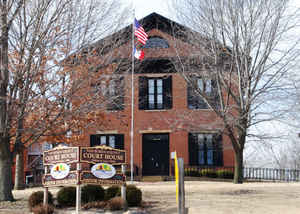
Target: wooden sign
{"x": 102, "y": 172}
{"x": 102, "y": 154}
{"x": 87, "y": 177}
{"x": 61, "y": 155}
{"x": 70, "y": 179}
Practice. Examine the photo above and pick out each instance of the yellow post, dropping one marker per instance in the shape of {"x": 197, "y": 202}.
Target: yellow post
{"x": 176, "y": 177}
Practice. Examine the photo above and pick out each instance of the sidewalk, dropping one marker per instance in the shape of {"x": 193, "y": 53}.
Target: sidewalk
{"x": 98, "y": 211}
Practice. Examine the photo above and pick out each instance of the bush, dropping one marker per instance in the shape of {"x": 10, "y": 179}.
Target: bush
{"x": 133, "y": 196}
{"x": 111, "y": 192}
{"x": 66, "y": 196}
{"x": 208, "y": 173}
{"x": 41, "y": 209}
{"x": 91, "y": 193}
{"x": 224, "y": 173}
{"x": 37, "y": 198}
{"x": 95, "y": 204}
{"x": 116, "y": 203}
{"x": 192, "y": 172}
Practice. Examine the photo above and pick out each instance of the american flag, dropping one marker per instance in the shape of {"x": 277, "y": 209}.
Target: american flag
{"x": 140, "y": 33}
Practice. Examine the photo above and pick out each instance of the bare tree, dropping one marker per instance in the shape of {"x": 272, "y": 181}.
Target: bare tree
{"x": 245, "y": 48}
{"x": 36, "y": 85}
{"x": 8, "y": 14}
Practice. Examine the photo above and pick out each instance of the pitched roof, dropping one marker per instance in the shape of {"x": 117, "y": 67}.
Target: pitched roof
{"x": 152, "y": 21}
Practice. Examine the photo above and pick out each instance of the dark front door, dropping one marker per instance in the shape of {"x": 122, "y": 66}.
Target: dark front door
{"x": 156, "y": 154}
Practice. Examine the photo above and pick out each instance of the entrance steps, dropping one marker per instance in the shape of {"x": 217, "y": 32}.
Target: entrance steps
{"x": 156, "y": 178}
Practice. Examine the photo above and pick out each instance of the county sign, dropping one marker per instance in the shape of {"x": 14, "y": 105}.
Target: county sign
{"x": 60, "y": 174}
{"x": 102, "y": 172}
{"x": 102, "y": 154}
{"x": 61, "y": 155}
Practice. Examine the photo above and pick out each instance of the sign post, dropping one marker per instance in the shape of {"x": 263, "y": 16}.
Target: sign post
{"x": 179, "y": 180}
{"x": 78, "y": 190}
{"x": 46, "y": 190}
{"x": 123, "y": 189}
{"x": 181, "y": 204}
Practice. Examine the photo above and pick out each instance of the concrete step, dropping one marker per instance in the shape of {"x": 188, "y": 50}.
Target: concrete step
{"x": 153, "y": 178}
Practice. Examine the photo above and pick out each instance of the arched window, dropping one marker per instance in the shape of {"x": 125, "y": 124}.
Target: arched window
{"x": 156, "y": 42}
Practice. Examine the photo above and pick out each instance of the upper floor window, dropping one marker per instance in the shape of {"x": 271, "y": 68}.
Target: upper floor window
{"x": 208, "y": 87}
{"x": 155, "y": 93}
{"x": 113, "y": 140}
{"x": 156, "y": 42}
{"x": 205, "y": 149}
{"x": 112, "y": 89}
{"x": 39, "y": 148}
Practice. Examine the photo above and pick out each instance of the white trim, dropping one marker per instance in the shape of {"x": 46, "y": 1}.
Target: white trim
{"x": 154, "y": 131}
{"x": 108, "y": 132}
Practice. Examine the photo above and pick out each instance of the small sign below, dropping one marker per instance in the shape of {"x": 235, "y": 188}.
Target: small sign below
{"x": 70, "y": 179}
{"x": 87, "y": 177}
{"x": 60, "y": 171}
{"x": 173, "y": 154}
{"x": 103, "y": 170}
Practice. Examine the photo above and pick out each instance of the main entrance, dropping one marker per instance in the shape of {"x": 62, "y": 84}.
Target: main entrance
{"x": 156, "y": 154}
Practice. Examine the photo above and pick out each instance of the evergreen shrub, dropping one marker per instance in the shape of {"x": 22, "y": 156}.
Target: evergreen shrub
{"x": 90, "y": 193}
{"x": 225, "y": 173}
{"x": 66, "y": 196}
{"x": 111, "y": 192}
{"x": 210, "y": 173}
{"x": 133, "y": 196}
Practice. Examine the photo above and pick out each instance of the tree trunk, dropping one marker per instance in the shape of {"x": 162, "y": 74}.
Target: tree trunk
{"x": 5, "y": 171}
{"x": 19, "y": 172}
{"x": 19, "y": 151}
{"x": 238, "y": 167}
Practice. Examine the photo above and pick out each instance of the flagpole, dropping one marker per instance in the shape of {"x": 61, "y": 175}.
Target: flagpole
{"x": 132, "y": 100}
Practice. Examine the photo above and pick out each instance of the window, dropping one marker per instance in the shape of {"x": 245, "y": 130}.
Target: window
{"x": 208, "y": 86}
{"x": 112, "y": 89}
{"x": 205, "y": 149}
{"x": 155, "y": 93}
{"x": 47, "y": 146}
{"x": 113, "y": 140}
{"x": 156, "y": 42}
{"x": 155, "y": 97}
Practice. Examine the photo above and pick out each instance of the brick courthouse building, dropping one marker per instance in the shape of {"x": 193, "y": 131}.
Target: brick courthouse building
{"x": 168, "y": 116}
{"x": 161, "y": 98}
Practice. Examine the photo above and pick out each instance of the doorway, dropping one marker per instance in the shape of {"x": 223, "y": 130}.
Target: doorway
{"x": 156, "y": 154}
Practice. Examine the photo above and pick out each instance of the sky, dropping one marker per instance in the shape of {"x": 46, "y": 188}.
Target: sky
{"x": 145, "y": 7}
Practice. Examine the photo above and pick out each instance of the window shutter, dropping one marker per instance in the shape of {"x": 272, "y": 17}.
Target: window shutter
{"x": 194, "y": 100}
{"x": 117, "y": 101}
{"x": 193, "y": 156}
{"x": 218, "y": 150}
{"x": 167, "y": 90}
{"x": 215, "y": 94}
{"x": 119, "y": 144}
{"x": 93, "y": 140}
{"x": 143, "y": 93}
{"x": 190, "y": 96}
{"x": 201, "y": 104}
{"x": 121, "y": 93}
